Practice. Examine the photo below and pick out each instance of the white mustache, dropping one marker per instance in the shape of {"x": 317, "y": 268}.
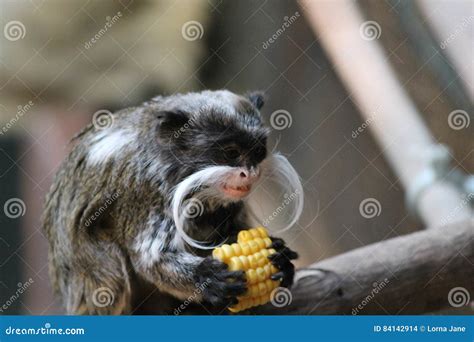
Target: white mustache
{"x": 275, "y": 167}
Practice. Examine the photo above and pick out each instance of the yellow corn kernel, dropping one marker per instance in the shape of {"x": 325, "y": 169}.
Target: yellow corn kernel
{"x": 254, "y": 247}
{"x": 265, "y": 252}
{"x": 262, "y": 288}
{"x": 251, "y": 276}
{"x": 236, "y": 249}
{"x": 218, "y": 254}
{"x": 270, "y": 285}
{"x": 260, "y": 274}
{"x": 260, "y": 243}
{"x": 244, "y": 236}
{"x": 245, "y": 249}
{"x": 235, "y": 264}
{"x": 263, "y": 232}
{"x": 261, "y": 259}
{"x": 255, "y": 233}
{"x": 245, "y": 262}
{"x": 252, "y": 291}
{"x": 268, "y": 270}
{"x": 253, "y": 261}
{"x": 250, "y": 254}
{"x": 268, "y": 241}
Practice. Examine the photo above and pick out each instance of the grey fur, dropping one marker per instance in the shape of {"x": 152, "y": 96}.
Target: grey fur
{"x": 107, "y": 215}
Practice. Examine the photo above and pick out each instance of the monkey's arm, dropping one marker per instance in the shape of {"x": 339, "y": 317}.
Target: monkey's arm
{"x": 158, "y": 255}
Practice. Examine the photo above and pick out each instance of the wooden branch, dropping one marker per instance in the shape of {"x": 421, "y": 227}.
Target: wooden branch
{"x": 405, "y": 275}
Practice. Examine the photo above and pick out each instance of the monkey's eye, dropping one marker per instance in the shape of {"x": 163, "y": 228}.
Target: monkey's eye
{"x": 232, "y": 152}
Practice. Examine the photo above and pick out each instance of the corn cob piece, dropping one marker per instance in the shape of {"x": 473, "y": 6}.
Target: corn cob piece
{"x": 250, "y": 254}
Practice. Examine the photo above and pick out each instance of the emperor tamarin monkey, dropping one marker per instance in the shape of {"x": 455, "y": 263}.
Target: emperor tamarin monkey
{"x": 147, "y": 194}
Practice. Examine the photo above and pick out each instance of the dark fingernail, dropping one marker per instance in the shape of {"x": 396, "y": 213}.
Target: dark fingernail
{"x": 277, "y": 276}
{"x": 294, "y": 255}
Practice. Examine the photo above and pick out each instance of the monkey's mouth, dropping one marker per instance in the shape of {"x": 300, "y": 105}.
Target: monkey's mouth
{"x": 236, "y": 191}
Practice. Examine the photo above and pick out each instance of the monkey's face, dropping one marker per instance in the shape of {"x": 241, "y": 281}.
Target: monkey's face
{"x": 222, "y": 138}
{"x": 213, "y": 150}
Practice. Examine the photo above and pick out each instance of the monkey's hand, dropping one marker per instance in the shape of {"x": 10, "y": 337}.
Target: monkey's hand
{"x": 220, "y": 286}
{"x": 282, "y": 260}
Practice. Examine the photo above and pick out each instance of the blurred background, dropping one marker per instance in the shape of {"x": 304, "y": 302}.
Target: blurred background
{"x": 61, "y": 61}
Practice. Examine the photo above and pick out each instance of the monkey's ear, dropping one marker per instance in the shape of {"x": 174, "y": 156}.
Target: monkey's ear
{"x": 257, "y": 98}
{"x": 170, "y": 123}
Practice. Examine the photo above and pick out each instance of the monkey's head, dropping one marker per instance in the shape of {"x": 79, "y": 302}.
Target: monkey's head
{"x": 218, "y": 143}
{"x": 216, "y": 133}
{"x": 208, "y": 149}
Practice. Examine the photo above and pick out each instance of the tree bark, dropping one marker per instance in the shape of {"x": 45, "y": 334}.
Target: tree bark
{"x": 409, "y": 274}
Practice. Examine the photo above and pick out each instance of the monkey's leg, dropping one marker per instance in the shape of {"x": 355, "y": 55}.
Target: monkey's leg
{"x": 100, "y": 286}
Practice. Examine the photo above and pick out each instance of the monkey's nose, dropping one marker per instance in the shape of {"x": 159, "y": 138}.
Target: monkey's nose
{"x": 249, "y": 175}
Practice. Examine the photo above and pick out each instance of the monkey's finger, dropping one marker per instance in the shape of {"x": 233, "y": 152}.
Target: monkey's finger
{"x": 236, "y": 275}
{"x": 290, "y": 254}
{"x": 218, "y": 301}
{"x": 285, "y": 253}
{"x": 277, "y": 243}
{"x": 287, "y": 282}
{"x": 235, "y": 289}
{"x": 281, "y": 259}
{"x": 277, "y": 276}
{"x": 233, "y": 301}
{"x": 226, "y": 274}
{"x": 225, "y": 303}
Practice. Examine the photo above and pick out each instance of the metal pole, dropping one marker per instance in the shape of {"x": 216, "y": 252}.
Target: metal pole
{"x": 351, "y": 44}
